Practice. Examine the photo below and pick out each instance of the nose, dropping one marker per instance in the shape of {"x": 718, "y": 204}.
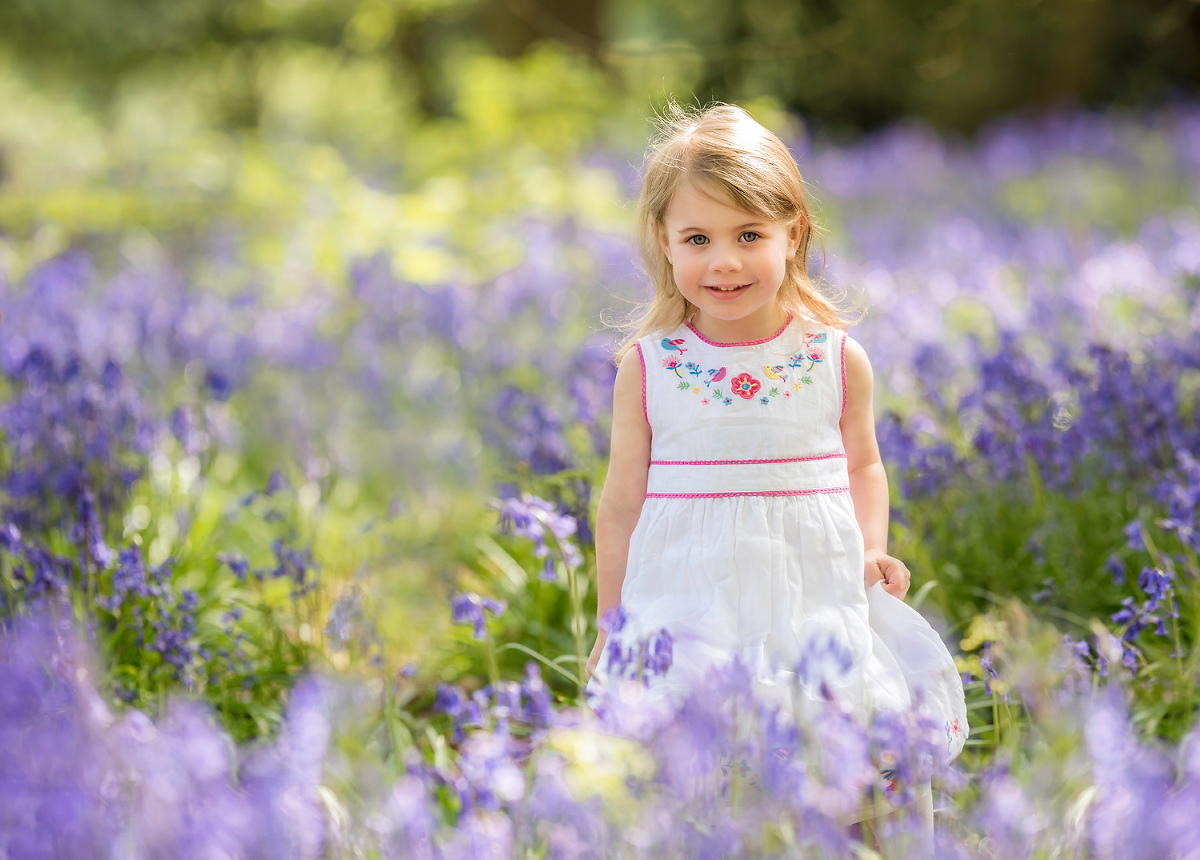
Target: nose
{"x": 725, "y": 259}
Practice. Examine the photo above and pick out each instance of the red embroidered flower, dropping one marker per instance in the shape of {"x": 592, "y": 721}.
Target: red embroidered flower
{"x": 745, "y": 385}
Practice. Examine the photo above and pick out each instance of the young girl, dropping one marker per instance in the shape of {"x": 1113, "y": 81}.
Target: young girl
{"x": 746, "y": 506}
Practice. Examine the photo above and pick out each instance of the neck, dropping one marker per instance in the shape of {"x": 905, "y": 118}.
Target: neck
{"x": 757, "y": 326}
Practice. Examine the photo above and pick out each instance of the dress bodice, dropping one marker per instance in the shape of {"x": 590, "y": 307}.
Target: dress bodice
{"x": 759, "y": 416}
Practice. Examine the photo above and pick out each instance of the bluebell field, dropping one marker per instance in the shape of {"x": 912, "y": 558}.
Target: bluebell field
{"x": 300, "y": 565}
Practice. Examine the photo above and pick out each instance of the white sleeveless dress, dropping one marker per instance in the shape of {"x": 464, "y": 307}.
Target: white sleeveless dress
{"x": 747, "y": 545}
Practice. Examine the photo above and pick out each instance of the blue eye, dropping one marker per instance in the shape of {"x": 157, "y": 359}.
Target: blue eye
{"x": 753, "y": 236}
{"x": 703, "y": 239}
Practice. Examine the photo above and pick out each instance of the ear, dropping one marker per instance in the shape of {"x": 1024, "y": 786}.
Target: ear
{"x": 795, "y": 231}
{"x": 664, "y": 244}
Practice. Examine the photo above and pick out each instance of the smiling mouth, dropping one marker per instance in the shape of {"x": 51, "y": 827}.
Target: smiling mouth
{"x": 727, "y": 288}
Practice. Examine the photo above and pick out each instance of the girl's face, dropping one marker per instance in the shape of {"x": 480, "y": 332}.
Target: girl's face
{"x": 728, "y": 263}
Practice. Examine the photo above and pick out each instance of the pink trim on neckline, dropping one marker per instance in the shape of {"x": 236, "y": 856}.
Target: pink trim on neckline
{"x": 642, "y": 361}
{"x": 745, "y": 462}
{"x": 788, "y": 322}
{"x": 843, "y": 412}
{"x": 752, "y": 493}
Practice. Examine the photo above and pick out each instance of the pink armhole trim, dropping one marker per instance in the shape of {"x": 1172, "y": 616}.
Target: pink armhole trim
{"x": 745, "y": 462}
{"x": 642, "y": 361}
{"x": 843, "y": 373}
{"x": 788, "y": 322}
{"x": 758, "y": 493}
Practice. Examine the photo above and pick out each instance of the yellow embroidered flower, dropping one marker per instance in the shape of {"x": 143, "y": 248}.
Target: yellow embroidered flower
{"x": 695, "y": 389}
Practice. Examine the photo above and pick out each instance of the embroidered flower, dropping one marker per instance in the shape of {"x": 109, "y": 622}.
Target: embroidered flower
{"x": 953, "y": 730}
{"x": 764, "y": 400}
{"x": 745, "y": 385}
{"x": 814, "y": 357}
{"x": 693, "y": 368}
{"x": 704, "y": 401}
{"x": 797, "y": 385}
{"x": 673, "y": 364}
{"x": 695, "y": 389}
{"x": 787, "y": 394}
{"x": 728, "y": 765}
{"x": 728, "y": 400}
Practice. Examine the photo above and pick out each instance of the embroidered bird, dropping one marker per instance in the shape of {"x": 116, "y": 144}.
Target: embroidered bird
{"x": 815, "y": 338}
{"x": 673, "y": 345}
{"x": 715, "y": 375}
{"x": 775, "y": 372}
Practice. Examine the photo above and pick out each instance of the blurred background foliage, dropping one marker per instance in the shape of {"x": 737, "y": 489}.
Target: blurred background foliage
{"x": 854, "y": 64}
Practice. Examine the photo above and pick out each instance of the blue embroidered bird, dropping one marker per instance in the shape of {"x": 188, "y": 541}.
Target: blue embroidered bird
{"x": 673, "y": 345}
{"x": 715, "y": 375}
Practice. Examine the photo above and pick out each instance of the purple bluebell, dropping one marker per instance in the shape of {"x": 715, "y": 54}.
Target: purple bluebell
{"x": 538, "y": 520}
{"x": 1133, "y": 536}
{"x": 988, "y": 668}
{"x": 1115, "y": 568}
{"x": 468, "y": 608}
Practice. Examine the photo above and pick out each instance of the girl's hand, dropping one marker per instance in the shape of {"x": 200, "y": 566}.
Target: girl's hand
{"x": 594, "y": 659}
{"x": 881, "y": 566}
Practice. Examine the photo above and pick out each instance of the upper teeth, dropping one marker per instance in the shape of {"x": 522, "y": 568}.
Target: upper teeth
{"x": 728, "y": 289}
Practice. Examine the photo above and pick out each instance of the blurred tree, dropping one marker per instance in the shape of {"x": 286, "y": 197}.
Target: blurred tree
{"x": 955, "y": 63}
{"x": 853, "y": 63}
{"x": 94, "y": 44}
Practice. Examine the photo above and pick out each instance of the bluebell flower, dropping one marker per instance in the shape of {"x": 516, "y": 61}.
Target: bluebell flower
{"x": 468, "y": 608}
{"x": 1133, "y": 536}
{"x": 988, "y": 668}
{"x": 536, "y": 519}
{"x": 614, "y": 620}
{"x": 236, "y": 562}
{"x": 1115, "y": 567}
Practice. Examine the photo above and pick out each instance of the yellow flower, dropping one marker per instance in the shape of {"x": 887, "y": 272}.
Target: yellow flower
{"x": 600, "y": 764}
{"x": 983, "y": 628}
{"x": 797, "y": 385}
{"x": 696, "y": 389}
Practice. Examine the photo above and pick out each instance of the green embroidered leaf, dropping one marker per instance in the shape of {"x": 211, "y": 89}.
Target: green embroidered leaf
{"x": 685, "y": 385}
{"x": 807, "y": 380}
{"x": 718, "y": 395}
{"x": 774, "y": 392}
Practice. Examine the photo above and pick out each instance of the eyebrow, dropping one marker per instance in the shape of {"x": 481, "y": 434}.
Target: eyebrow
{"x": 741, "y": 227}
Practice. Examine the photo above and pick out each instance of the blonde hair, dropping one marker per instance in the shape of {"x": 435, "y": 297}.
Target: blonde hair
{"x": 722, "y": 149}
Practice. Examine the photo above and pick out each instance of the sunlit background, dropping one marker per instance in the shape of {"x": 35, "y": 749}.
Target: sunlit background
{"x": 307, "y": 314}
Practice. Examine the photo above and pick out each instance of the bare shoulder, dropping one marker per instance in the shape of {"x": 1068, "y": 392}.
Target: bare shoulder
{"x": 860, "y": 384}
{"x": 629, "y": 411}
{"x": 858, "y": 366}
{"x": 856, "y": 355}
{"x": 629, "y": 375}
{"x": 629, "y": 453}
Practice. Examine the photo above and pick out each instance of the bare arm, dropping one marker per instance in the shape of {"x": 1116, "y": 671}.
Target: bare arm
{"x": 624, "y": 489}
{"x": 868, "y": 480}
